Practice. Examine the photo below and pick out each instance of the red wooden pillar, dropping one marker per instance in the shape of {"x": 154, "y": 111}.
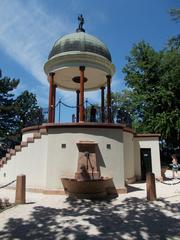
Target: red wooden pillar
{"x": 109, "y": 98}
{"x": 54, "y": 103}
{"x": 82, "y": 69}
{"x": 51, "y": 98}
{"x": 77, "y": 105}
{"x": 102, "y": 104}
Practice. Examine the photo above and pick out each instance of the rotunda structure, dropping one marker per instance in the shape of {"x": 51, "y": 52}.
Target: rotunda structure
{"x": 85, "y": 158}
{"x": 79, "y": 62}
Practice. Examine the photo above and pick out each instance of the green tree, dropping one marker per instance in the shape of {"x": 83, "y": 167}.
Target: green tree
{"x": 175, "y": 13}
{"x": 16, "y": 113}
{"x": 28, "y": 111}
{"x": 122, "y": 107}
{"x": 154, "y": 79}
{"x": 7, "y": 111}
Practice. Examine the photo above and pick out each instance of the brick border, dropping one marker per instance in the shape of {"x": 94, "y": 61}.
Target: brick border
{"x": 46, "y": 126}
{"x": 58, "y": 191}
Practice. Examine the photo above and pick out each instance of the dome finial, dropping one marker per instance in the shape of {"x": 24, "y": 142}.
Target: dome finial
{"x": 81, "y": 22}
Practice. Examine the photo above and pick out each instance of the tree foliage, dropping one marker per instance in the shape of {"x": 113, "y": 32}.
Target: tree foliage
{"x": 28, "y": 112}
{"x": 154, "y": 80}
{"x": 7, "y": 110}
{"x": 175, "y": 13}
{"x": 122, "y": 107}
{"x": 16, "y": 113}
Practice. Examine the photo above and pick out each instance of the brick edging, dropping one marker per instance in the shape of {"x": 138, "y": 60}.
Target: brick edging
{"x": 46, "y": 126}
{"x": 58, "y": 191}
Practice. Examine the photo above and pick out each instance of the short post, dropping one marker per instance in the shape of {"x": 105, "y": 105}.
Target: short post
{"x": 151, "y": 187}
{"x": 20, "y": 189}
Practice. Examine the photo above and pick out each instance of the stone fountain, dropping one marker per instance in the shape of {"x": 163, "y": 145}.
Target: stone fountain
{"x": 88, "y": 182}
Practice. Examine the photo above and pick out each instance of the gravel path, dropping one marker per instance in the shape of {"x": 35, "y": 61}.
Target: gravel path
{"x": 129, "y": 216}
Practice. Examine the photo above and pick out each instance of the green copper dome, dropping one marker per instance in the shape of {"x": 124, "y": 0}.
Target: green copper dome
{"x": 80, "y": 41}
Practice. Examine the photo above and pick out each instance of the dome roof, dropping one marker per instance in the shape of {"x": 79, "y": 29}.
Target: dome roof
{"x": 80, "y": 41}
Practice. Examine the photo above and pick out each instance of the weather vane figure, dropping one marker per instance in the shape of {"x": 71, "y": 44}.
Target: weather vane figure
{"x": 81, "y": 22}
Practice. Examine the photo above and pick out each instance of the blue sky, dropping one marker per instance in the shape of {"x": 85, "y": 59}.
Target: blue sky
{"x": 29, "y": 29}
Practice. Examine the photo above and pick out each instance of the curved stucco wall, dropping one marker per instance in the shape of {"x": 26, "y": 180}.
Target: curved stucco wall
{"x": 62, "y": 162}
{"x": 31, "y": 161}
{"x": 128, "y": 154}
{"x": 45, "y": 162}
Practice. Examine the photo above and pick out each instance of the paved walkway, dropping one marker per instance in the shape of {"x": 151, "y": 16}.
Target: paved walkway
{"x": 129, "y": 216}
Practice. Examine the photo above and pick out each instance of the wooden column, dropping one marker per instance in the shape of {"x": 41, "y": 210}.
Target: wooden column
{"x": 102, "y": 104}
{"x": 109, "y": 98}
{"x": 54, "y": 103}
{"x": 77, "y": 105}
{"x": 82, "y": 69}
{"x": 51, "y": 98}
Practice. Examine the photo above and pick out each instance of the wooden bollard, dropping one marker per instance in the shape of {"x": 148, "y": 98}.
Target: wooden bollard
{"x": 20, "y": 189}
{"x": 150, "y": 186}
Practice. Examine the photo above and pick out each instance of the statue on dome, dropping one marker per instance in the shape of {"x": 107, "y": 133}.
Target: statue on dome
{"x": 81, "y": 22}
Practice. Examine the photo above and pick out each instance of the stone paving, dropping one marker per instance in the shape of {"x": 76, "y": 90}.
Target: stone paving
{"x": 129, "y": 216}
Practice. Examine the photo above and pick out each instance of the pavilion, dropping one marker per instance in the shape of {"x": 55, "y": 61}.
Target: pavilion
{"x": 80, "y": 62}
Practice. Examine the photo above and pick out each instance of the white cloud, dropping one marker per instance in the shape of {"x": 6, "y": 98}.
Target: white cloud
{"x": 21, "y": 87}
{"x": 27, "y": 33}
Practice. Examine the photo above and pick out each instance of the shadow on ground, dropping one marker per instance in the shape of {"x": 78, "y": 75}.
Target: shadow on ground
{"x": 131, "y": 188}
{"x": 95, "y": 220}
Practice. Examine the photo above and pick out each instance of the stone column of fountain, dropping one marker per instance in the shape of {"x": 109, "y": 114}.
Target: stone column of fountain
{"x": 88, "y": 182}
{"x": 88, "y": 168}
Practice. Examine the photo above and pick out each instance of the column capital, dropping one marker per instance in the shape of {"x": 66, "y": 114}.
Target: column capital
{"x": 108, "y": 76}
{"x": 82, "y": 68}
{"x": 52, "y": 74}
{"x": 102, "y": 88}
{"x": 77, "y": 91}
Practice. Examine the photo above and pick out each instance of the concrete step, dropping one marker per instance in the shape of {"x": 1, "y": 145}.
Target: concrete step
{"x": 1, "y": 163}
{"x": 13, "y": 152}
{"x": 30, "y": 140}
{"x": 8, "y": 156}
{"x": 18, "y": 148}
{"x": 37, "y": 135}
{"x": 24, "y": 144}
{"x": 43, "y": 131}
{"x": 4, "y": 160}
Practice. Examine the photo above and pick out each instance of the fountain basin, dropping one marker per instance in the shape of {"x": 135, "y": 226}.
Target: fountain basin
{"x": 90, "y": 189}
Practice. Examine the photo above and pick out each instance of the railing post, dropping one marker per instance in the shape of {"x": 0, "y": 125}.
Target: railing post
{"x": 102, "y": 104}
{"x": 109, "y": 117}
{"x": 150, "y": 186}
{"x": 20, "y": 189}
